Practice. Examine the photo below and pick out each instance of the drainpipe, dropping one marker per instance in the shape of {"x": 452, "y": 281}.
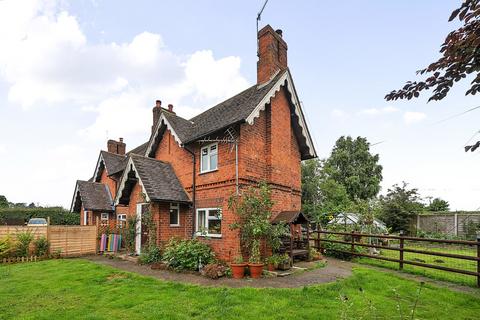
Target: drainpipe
{"x": 194, "y": 215}
{"x": 236, "y": 166}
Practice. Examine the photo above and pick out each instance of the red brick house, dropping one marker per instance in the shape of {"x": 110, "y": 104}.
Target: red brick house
{"x": 187, "y": 170}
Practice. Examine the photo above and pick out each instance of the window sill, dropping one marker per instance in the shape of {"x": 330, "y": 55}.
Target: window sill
{"x": 205, "y": 172}
{"x": 175, "y": 225}
{"x": 215, "y": 236}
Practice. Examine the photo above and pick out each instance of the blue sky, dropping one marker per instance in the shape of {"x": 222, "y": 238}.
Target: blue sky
{"x": 74, "y": 73}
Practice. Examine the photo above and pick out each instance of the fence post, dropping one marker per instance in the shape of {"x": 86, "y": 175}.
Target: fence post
{"x": 352, "y": 249}
{"x": 319, "y": 241}
{"x": 478, "y": 261}
{"x": 401, "y": 250}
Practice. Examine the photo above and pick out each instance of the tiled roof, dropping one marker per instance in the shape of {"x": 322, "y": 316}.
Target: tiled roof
{"x": 229, "y": 112}
{"x": 158, "y": 180}
{"x": 295, "y": 217}
{"x": 112, "y": 161}
{"x": 93, "y": 196}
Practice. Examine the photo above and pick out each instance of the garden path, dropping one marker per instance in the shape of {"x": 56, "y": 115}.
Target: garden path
{"x": 334, "y": 270}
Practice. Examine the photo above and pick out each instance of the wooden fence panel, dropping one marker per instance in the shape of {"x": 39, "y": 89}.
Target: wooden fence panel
{"x": 66, "y": 240}
{"x": 14, "y": 230}
{"x": 73, "y": 240}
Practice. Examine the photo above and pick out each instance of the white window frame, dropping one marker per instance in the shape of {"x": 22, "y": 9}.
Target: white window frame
{"x": 121, "y": 217}
{"x": 199, "y": 232}
{"x": 174, "y": 206}
{"x": 209, "y": 154}
{"x": 104, "y": 216}
{"x": 85, "y": 217}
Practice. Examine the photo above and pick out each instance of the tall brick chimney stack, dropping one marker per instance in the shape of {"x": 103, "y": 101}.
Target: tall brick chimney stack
{"x": 157, "y": 110}
{"x": 117, "y": 147}
{"x": 272, "y": 53}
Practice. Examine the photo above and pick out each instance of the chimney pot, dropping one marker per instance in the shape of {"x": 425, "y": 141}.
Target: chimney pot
{"x": 170, "y": 107}
{"x": 158, "y": 103}
{"x": 120, "y": 139}
{"x": 279, "y": 32}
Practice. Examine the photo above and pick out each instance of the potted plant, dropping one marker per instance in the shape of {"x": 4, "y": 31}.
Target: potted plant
{"x": 238, "y": 267}
{"x": 254, "y": 209}
{"x": 284, "y": 262}
{"x": 255, "y": 264}
{"x": 272, "y": 262}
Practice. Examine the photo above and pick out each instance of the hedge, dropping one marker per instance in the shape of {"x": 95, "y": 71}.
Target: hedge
{"x": 58, "y": 215}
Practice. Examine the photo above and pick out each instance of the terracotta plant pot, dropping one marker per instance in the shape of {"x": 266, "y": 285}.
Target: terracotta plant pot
{"x": 256, "y": 270}
{"x": 271, "y": 267}
{"x": 238, "y": 270}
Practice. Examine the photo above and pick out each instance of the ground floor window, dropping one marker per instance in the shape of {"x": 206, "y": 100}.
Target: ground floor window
{"x": 85, "y": 218}
{"x": 121, "y": 220}
{"x": 104, "y": 219}
{"x": 209, "y": 222}
{"x": 174, "y": 214}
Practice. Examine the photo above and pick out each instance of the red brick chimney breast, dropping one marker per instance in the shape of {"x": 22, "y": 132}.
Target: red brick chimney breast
{"x": 272, "y": 53}
{"x": 117, "y": 147}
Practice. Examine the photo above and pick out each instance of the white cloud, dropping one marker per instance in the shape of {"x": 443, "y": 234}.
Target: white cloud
{"x": 3, "y": 149}
{"x": 378, "y": 111}
{"x": 49, "y": 61}
{"x": 338, "y": 113}
{"x": 411, "y": 117}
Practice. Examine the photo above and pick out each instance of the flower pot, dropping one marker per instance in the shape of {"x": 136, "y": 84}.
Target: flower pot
{"x": 256, "y": 270}
{"x": 271, "y": 267}
{"x": 238, "y": 270}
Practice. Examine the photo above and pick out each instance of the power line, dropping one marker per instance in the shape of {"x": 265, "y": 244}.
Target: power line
{"x": 455, "y": 115}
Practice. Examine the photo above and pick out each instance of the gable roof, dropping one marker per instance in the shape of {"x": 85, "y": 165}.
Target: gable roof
{"x": 295, "y": 217}
{"x": 109, "y": 161}
{"x": 157, "y": 178}
{"x": 92, "y": 196}
{"x": 241, "y": 108}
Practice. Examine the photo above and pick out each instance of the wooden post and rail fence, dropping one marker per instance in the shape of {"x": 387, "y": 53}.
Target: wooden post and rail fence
{"x": 353, "y": 240}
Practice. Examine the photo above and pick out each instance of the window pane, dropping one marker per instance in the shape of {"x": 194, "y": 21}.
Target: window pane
{"x": 204, "y": 151}
{"x": 173, "y": 216}
{"x": 214, "y": 226}
{"x": 204, "y": 162}
{"x": 201, "y": 220}
{"x": 213, "y": 162}
{"x": 213, "y": 149}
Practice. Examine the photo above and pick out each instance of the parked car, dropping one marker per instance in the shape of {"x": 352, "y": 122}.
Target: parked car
{"x": 37, "y": 222}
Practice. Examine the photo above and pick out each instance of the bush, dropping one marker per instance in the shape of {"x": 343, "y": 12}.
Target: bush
{"x": 331, "y": 250}
{"x": 41, "y": 246}
{"x": 214, "y": 270}
{"x": 7, "y": 247}
{"x": 58, "y": 215}
{"x": 187, "y": 254}
{"x": 150, "y": 255}
{"x": 23, "y": 243}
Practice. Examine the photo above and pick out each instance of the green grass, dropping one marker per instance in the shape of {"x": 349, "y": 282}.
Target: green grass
{"x": 435, "y": 260}
{"x": 79, "y": 289}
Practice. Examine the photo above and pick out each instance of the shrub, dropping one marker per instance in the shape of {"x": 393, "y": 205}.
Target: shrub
{"x": 58, "y": 216}
{"x": 23, "y": 243}
{"x": 214, "y": 270}
{"x": 7, "y": 247}
{"x": 149, "y": 255}
{"x": 187, "y": 254}
{"x": 41, "y": 246}
{"x": 331, "y": 249}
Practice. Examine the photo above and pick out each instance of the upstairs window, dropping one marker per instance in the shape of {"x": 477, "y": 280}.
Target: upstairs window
{"x": 209, "y": 158}
{"x": 104, "y": 219}
{"x": 121, "y": 220}
{"x": 174, "y": 214}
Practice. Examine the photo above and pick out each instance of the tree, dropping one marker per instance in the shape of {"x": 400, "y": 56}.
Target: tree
{"x": 353, "y": 166}
{"x": 321, "y": 195}
{"x": 460, "y": 57}
{"x": 3, "y": 202}
{"x": 438, "y": 205}
{"x": 399, "y": 206}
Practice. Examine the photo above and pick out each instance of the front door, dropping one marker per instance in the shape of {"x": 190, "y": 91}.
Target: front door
{"x": 141, "y": 230}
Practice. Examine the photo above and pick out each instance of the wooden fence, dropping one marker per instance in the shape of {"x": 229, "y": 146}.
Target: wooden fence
{"x": 64, "y": 240}
{"x": 350, "y": 242}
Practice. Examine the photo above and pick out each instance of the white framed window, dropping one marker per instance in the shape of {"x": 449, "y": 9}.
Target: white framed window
{"x": 174, "y": 214}
{"x": 104, "y": 218}
{"x": 209, "y": 158}
{"x": 209, "y": 222}
{"x": 85, "y": 218}
{"x": 121, "y": 220}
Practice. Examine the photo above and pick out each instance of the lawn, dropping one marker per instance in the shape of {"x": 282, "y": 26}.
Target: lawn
{"x": 79, "y": 289}
{"x": 435, "y": 260}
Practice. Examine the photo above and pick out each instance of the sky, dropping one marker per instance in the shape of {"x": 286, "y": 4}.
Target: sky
{"x": 74, "y": 74}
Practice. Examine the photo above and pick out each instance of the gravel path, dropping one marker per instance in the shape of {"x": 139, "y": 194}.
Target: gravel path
{"x": 334, "y": 270}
